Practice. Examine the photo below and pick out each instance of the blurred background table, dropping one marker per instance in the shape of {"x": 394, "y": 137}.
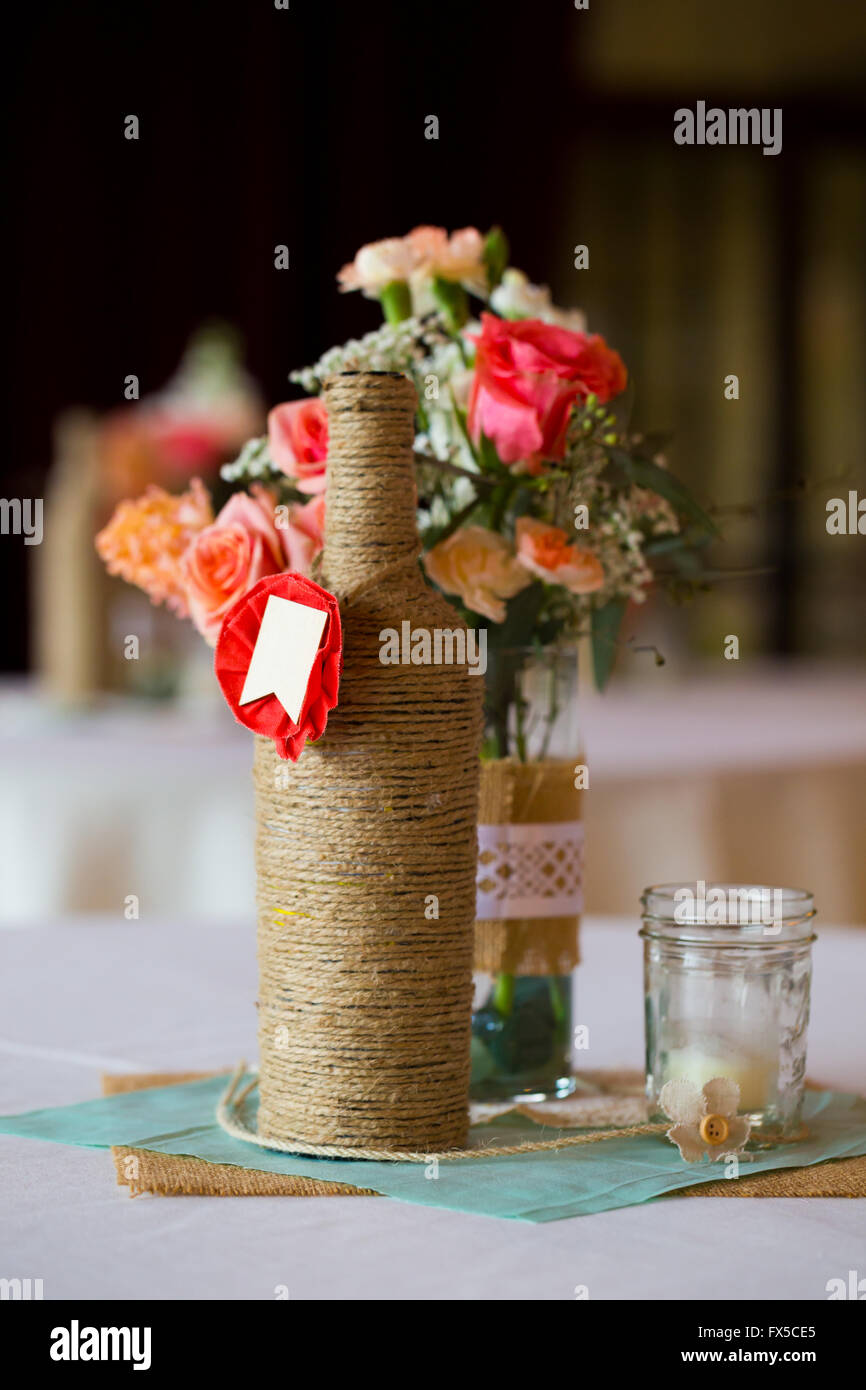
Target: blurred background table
{"x": 171, "y": 996}
{"x": 734, "y": 777}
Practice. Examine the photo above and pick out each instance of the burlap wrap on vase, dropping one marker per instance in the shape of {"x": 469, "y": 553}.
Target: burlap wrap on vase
{"x": 366, "y": 847}
{"x": 531, "y": 878}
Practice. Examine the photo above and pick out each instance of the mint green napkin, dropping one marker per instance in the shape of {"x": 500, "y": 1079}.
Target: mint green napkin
{"x": 543, "y": 1186}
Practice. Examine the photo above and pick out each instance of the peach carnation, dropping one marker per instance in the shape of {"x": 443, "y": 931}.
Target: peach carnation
{"x": 378, "y": 264}
{"x": 545, "y": 551}
{"x": 424, "y": 253}
{"x": 145, "y": 540}
{"x": 459, "y": 257}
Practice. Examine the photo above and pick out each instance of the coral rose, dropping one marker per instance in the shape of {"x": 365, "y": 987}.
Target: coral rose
{"x": 528, "y": 375}
{"x": 229, "y": 557}
{"x": 545, "y": 551}
{"x": 298, "y": 442}
{"x": 480, "y": 566}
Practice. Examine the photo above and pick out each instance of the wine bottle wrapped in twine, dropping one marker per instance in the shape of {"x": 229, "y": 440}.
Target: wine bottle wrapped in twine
{"x": 366, "y": 847}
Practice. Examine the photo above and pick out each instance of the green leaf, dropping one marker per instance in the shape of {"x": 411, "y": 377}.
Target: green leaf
{"x": 453, "y": 302}
{"x": 495, "y": 255}
{"x": 521, "y": 616}
{"x": 644, "y": 473}
{"x": 689, "y": 563}
{"x": 434, "y": 535}
{"x": 463, "y": 426}
{"x": 606, "y": 623}
{"x": 654, "y": 442}
{"x": 692, "y": 538}
{"x": 396, "y": 301}
{"x": 488, "y": 458}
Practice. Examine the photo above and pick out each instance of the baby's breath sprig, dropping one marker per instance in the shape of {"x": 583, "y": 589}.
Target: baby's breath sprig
{"x": 395, "y": 347}
{"x": 253, "y": 462}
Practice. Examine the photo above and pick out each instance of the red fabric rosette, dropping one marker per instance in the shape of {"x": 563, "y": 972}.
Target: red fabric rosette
{"x": 234, "y": 650}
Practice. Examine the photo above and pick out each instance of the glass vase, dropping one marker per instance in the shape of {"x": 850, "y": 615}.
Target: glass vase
{"x": 529, "y": 896}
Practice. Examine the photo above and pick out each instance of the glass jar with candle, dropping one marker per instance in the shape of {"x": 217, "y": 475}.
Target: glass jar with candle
{"x": 727, "y": 971}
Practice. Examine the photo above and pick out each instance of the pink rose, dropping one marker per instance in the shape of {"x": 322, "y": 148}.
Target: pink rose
{"x": 545, "y": 551}
{"x": 480, "y": 566}
{"x": 528, "y": 374}
{"x": 298, "y": 442}
{"x": 303, "y": 534}
{"x": 229, "y": 557}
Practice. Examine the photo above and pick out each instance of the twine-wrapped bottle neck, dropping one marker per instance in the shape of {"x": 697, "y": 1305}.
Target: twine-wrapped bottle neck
{"x": 370, "y": 511}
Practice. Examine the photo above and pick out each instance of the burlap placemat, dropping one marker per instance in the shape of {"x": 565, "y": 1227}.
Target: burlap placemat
{"x": 174, "y": 1175}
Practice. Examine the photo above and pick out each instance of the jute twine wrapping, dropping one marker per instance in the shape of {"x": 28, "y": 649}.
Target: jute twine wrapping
{"x": 173, "y": 1175}
{"x": 366, "y": 847}
{"x": 527, "y": 793}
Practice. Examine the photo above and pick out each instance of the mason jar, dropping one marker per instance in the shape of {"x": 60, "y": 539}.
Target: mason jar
{"x": 727, "y": 973}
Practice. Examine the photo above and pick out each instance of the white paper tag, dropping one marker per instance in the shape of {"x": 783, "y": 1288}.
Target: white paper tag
{"x": 284, "y": 654}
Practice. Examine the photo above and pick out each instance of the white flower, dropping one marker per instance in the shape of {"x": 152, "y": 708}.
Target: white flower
{"x": 706, "y": 1121}
{"x": 461, "y": 385}
{"x": 393, "y": 347}
{"x": 515, "y": 298}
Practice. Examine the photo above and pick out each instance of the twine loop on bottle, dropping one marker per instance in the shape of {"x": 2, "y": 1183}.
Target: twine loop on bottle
{"x": 230, "y": 1116}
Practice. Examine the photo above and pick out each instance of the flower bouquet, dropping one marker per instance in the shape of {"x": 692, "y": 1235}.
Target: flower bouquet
{"x": 539, "y": 512}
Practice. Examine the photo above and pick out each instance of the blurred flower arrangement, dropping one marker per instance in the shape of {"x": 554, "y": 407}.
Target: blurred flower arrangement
{"x": 539, "y": 512}
{"x": 195, "y": 422}
{"x": 159, "y": 448}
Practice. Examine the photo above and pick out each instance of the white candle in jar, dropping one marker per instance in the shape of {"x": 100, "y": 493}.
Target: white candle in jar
{"x": 701, "y": 1061}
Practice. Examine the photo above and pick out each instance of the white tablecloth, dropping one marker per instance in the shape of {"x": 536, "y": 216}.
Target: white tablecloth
{"x": 80, "y": 998}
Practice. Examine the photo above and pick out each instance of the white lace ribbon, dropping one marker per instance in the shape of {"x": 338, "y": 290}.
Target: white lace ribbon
{"x": 530, "y": 870}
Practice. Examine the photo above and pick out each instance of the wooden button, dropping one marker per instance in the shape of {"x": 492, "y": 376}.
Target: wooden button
{"x": 714, "y": 1129}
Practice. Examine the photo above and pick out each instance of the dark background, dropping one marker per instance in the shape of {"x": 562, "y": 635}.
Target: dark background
{"x": 306, "y": 127}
